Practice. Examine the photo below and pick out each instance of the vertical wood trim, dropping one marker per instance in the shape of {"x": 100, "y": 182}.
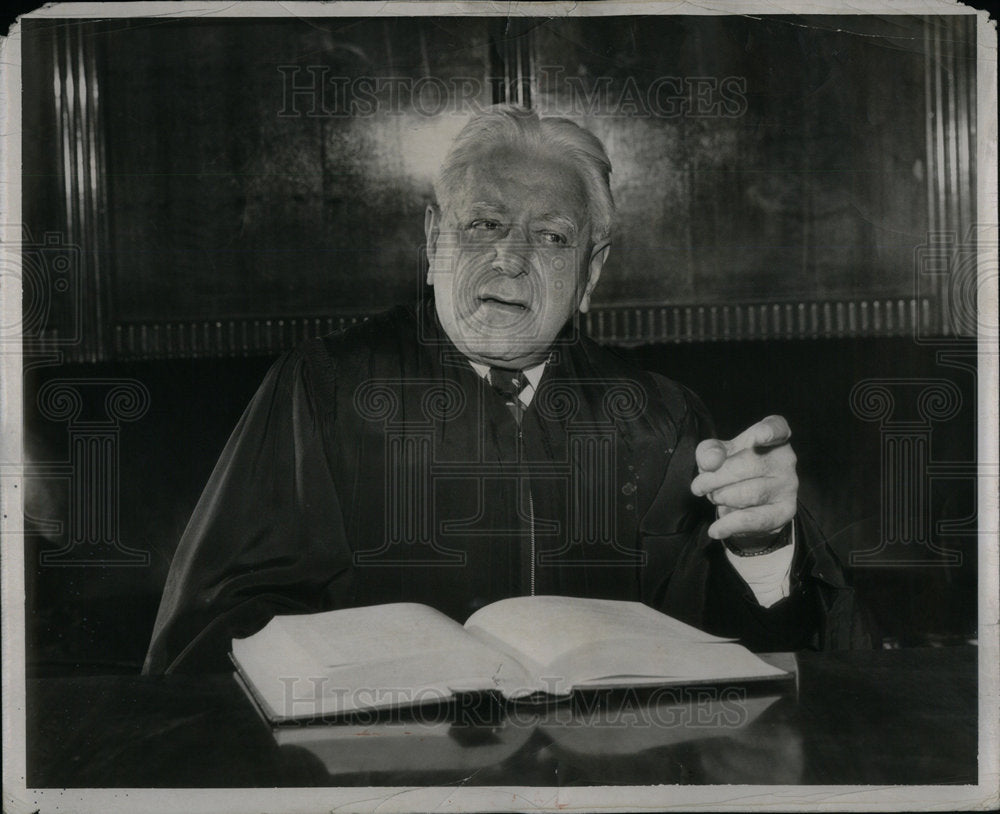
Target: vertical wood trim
{"x": 513, "y": 65}
{"x": 82, "y": 163}
{"x": 940, "y": 166}
{"x": 933, "y": 211}
{"x": 950, "y": 87}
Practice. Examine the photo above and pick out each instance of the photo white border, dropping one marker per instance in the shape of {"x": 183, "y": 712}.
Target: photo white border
{"x": 17, "y": 798}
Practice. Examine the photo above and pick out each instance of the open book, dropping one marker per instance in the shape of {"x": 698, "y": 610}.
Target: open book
{"x": 387, "y": 656}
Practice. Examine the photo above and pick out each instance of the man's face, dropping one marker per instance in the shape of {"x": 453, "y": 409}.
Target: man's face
{"x": 511, "y": 260}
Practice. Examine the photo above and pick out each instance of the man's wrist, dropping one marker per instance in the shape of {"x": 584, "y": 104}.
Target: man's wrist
{"x": 758, "y": 545}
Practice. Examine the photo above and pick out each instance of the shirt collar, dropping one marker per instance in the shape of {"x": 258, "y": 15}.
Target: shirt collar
{"x": 532, "y": 374}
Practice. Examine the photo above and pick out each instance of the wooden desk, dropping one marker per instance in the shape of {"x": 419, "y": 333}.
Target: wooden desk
{"x": 879, "y": 717}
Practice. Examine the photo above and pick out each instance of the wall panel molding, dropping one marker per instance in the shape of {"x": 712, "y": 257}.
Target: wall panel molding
{"x": 624, "y": 326}
{"x": 950, "y": 105}
{"x": 82, "y": 163}
{"x": 832, "y": 225}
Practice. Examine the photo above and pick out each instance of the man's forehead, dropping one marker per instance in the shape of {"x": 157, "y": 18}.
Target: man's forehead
{"x": 506, "y": 179}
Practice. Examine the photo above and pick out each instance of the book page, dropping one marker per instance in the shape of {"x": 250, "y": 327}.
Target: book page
{"x": 636, "y": 661}
{"x": 569, "y": 643}
{"x": 360, "y": 635}
{"x": 367, "y": 658}
{"x": 544, "y": 628}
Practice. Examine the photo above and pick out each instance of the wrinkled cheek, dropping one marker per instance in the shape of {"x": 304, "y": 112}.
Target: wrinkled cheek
{"x": 464, "y": 306}
{"x": 467, "y": 274}
{"x": 561, "y": 289}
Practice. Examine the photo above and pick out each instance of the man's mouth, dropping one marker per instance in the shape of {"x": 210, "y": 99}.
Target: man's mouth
{"x": 512, "y": 305}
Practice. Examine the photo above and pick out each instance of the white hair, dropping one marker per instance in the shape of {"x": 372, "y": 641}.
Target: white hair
{"x": 513, "y": 126}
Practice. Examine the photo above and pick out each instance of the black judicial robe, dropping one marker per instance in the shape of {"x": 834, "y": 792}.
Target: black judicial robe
{"x": 375, "y": 465}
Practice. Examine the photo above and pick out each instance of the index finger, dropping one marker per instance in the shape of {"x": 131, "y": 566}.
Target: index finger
{"x": 772, "y": 431}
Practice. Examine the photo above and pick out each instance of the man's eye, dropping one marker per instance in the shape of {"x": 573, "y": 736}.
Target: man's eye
{"x": 554, "y": 238}
{"x": 483, "y": 225}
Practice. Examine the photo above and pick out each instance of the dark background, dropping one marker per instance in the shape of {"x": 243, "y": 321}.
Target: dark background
{"x": 770, "y": 260}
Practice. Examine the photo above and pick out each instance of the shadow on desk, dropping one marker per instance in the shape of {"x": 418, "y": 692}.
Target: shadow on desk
{"x": 866, "y": 717}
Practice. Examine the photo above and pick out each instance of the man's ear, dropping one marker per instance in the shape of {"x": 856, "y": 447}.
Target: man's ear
{"x": 432, "y": 228}
{"x": 598, "y": 256}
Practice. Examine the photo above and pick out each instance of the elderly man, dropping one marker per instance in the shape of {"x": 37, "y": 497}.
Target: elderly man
{"x": 478, "y": 446}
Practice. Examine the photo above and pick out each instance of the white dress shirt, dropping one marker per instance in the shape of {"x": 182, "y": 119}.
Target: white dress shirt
{"x": 768, "y": 575}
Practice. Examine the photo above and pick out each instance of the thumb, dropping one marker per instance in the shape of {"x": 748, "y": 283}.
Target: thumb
{"x": 710, "y": 454}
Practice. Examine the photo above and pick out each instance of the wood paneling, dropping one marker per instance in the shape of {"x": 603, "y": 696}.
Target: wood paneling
{"x": 234, "y": 186}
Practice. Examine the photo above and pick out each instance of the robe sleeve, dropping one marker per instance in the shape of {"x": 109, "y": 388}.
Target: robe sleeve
{"x": 687, "y": 575}
{"x": 266, "y": 536}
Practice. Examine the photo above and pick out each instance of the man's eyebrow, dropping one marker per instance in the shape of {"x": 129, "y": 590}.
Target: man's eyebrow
{"x": 557, "y": 219}
{"x": 490, "y": 206}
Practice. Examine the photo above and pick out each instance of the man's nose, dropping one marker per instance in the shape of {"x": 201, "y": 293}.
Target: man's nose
{"x": 512, "y": 254}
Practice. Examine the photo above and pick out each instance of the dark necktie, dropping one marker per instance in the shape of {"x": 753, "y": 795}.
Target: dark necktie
{"x": 509, "y": 384}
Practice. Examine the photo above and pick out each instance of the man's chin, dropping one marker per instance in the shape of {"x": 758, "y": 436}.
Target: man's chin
{"x": 503, "y": 354}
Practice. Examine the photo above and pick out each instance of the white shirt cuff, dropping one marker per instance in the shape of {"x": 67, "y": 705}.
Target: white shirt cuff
{"x": 769, "y": 575}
